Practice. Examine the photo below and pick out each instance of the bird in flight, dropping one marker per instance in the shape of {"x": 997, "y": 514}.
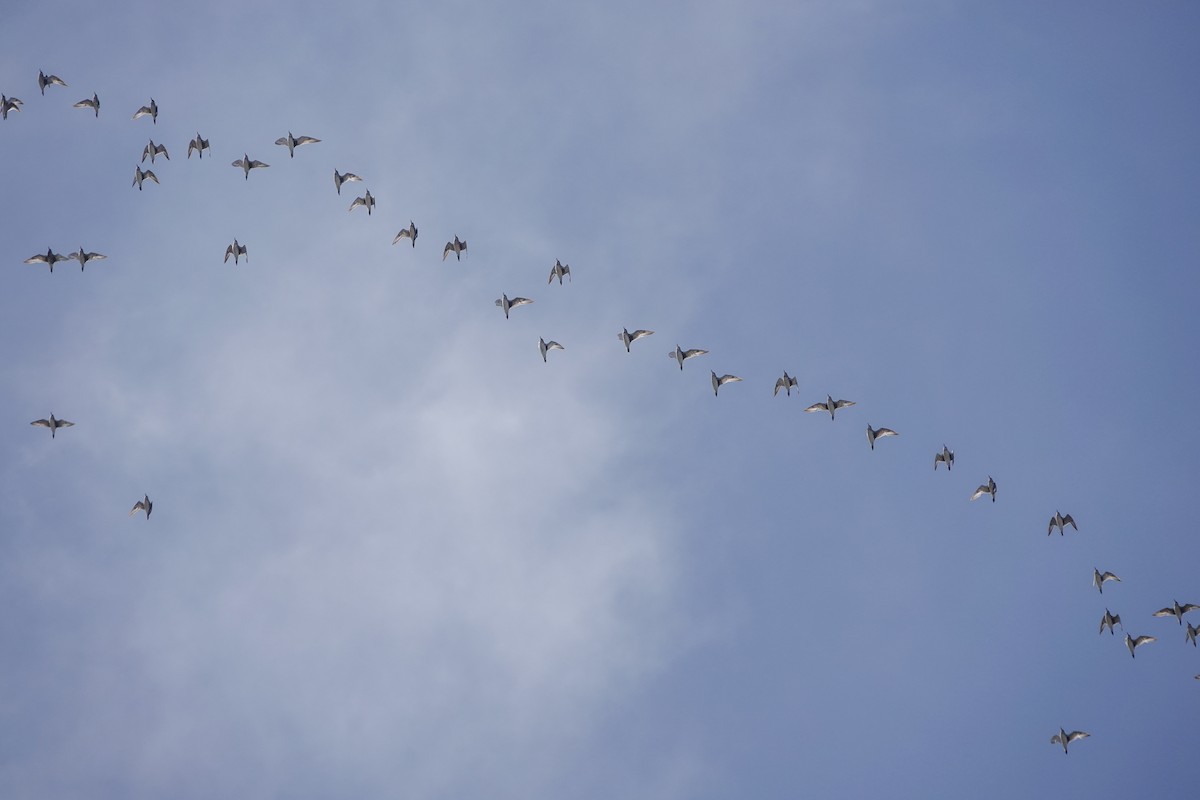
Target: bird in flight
{"x": 142, "y": 505}
{"x": 1190, "y": 636}
{"x": 199, "y": 144}
{"x": 150, "y": 111}
{"x": 339, "y": 179}
{"x": 786, "y": 383}
{"x": 8, "y": 104}
{"x": 245, "y": 164}
{"x": 876, "y": 433}
{"x": 409, "y": 233}
{"x": 544, "y": 347}
{"x": 558, "y": 270}
{"x": 717, "y": 383}
{"x": 93, "y": 104}
{"x": 153, "y": 150}
{"x": 367, "y": 202}
{"x": 49, "y": 258}
{"x": 1099, "y": 578}
{"x": 681, "y": 355}
{"x": 945, "y": 457}
{"x": 83, "y": 257}
{"x": 456, "y": 247}
{"x": 987, "y": 488}
{"x": 45, "y": 80}
{"x": 829, "y": 405}
{"x": 1064, "y": 738}
{"x": 628, "y": 338}
{"x": 292, "y": 142}
{"x": 1176, "y": 611}
{"x": 236, "y": 250}
{"x": 1108, "y": 621}
{"x": 1061, "y": 521}
{"x": 1134, "y": 644}
{"x": 52, "y": 423}
{"x": 506, "y": 304}
{"x": 140, "y": 175}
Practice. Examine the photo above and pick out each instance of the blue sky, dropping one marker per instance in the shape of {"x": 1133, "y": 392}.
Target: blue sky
{"x": 394, "y": 553}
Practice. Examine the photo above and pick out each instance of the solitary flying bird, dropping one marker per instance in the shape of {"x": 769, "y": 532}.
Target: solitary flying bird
{"x": 93, "y": 104}
{"x": 140, "y": 175}
{"x": 142, "y": 505}
{"x": 945, "y": 457}
{"x": 506, "y": 304}
{"x": 50, "y": 258}
{"x": 52, "y": 423}
{"x": 830, "y": 405}
{"x": 544, "y": 346}
{"x": 1061, "y": 521}
{"x": 1108, "y": 621}
{"x": 1064, "y": 738}
{"x": 83, "y": 257}
{"x": 876, "y": 433}
{"x": 717, "y": 383}
{"x": 1176, "y": 611}
{"x": 199, "y": 144}
{"x": 558, "y": 270}
{"x": 367, "y": 202}
{"x": 292, "y": 142}
{"x": 339, "y": 179}
{"x": 236, "y": 250}
{"x": 987, "y": 488}
{"x": 455, "y": 247}
{"x": 409, "y": 233}
{"x": 154, "y": 150}
{"x": 1099, "y": 578}
{"x": 246, "y": 165}
{"x": 628, "y": 338}
{"x": 45, "y": 80}
{"x": 150, "y": 111}
{"x": 682, "y": 355}
{"x": 1134, "y": 644}
{"x": 787, "y": 382}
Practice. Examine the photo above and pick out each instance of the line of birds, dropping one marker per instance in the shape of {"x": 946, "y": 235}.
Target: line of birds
{"x": 458, "y": 247}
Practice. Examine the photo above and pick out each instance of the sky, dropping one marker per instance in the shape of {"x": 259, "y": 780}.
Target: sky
{"x": 392, "y": 553}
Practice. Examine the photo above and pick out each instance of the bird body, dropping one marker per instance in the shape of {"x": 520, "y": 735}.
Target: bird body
{"x": 150, "y": 111}
{"x": 199, "y": 144}
{"x": 945, "y": 457}
{"x": 507, "y": 304}
{"x": 52, "y": 423}
{"x": 681, "y": 355}
{"x": 153, "y": 150}
{"x": 558, "y": 270}
{"x": 236, "y": 250}
{"x": 544, "y": 347}
{"x": 50, "y": 258}
{"x": 1108, "y": 621}
{"x": 83, "y": 257}
{"x": 876, "y": 433}
{"x": 1098, "y": 579}
{"x": 1064, "y": 738}
{"x": 140, "y": 175}
{"x": 717, "y": 383}
{"x": 628, "y": 338}
{"x": 292, "y": 142}
{"x": 457, "y": 247}
{"x": 142, "y": 505}
{"x": 787, "y": 382}
{"x": 829, "y": 405}
{"x": 45, "y": 80}
{"x": 1061, "y": 521}
{"x": 409, "y": 233}
{"x": 987, "y": 488}
{"x": 367, "y": 202}
{"x": 245, "y": 164}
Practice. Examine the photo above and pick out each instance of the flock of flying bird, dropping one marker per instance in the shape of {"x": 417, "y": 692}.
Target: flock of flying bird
{"x": 458, "y": 247}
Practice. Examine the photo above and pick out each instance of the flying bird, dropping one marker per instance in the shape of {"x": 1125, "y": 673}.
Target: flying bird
{"x": 1176, "y": 611}
{"x": 236, "y": 250}
{"x": 45, "y": 80}
{"x": 245, "y": 164}
{"x": 1099, "y": 578}
{"x": 1190, "y": 636}
{"x": 154, "y": 150}
{"x": 49, "y": 258}
{"x": 93, "y": 104}
{"x": 829, "y": 405}
{"x": 347, "y": 177}
{"x": 682, "y": 355}
{"x": 455, "y": 247}
{"x": 1064, "y": 738}
{"x": 876, "y": 433}
{"x": 150, "y": 111}
{"x": 8, "y": 104}
{"x": 628, "y": 338}
{"x": 1061, "y": 521}
{"x": 1134, "y": 644}
{"x": 199, "y": 144}
{"x": 83, "y": 257}
{"x": 140, "y": 175}
{"x": 409, "y": 233}
{"x": 142, "y": 505}
{"x": 717, "y": 383}
{"x": 506, "y": 304}
{"x": 558, "y": 270}
{"x": 367, "y": 202}
{"x": 787, "y": 382}
{"x": 987, "y": 488}
{"x": 945, "y": 457}
{"x": 544, "y": 346}
{"x": 292, "y": 142}
{"x": 1108, "y": 621}
{"x": 52, "y": 423}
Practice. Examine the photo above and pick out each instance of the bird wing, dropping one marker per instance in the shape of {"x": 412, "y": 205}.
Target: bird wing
{"x": 639, "y": 334}
{"x": 693, "y": 352}
{"x": 41, "y": 423}
{"x": 817, "y": 407}
{"x": 1164, "y": 612}
{"x": 62, "y": 423}
{"x": 1056, "y": 739}
{"x": 449, "y": 249}
{"x": 843, "y": 403}
{"x": 305, "y": 140}
{"x": 779, "y": 384}
{"x": 404, "y": 234}
{"x": 256, "y": 164}
{"x": 38, "y": 259}
{"x": 149, "y": 174}
{"x": 138, "y": 506}
{"x": 281, "y": 140}
{"x": 519, "y": 301}
{"x": 1067, "y": 520}
{"x": 1073, "y": 735}
{"x": 228, "y": 253}
{"x": 980, "y": 492}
